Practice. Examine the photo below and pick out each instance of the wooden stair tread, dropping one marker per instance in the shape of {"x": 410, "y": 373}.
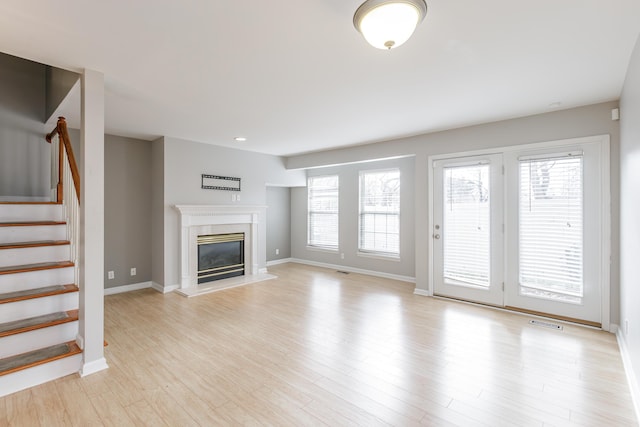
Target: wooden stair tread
{"x": 30, "y": 223}
{"x": 38, "y": 322}
{"x": 34, "y": 244}
{"x": 41, "y": 356}
{"x": 13, "y": 269}
{"x": 37, "y": 293}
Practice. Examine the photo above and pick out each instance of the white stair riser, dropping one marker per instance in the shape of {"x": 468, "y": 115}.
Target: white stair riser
{"x": 40, "y": 338}
{"x": 38, "y": 307}
{"x": 32, "y": 233}
{"x": 40, "y": 374}
{"x": 10, "y": 213}
{"x": 36, "y": 279}
{"x": 21, "y": 256}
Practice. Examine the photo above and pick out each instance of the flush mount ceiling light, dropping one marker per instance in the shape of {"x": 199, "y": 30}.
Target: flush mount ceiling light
{"x": 387, "y": 24}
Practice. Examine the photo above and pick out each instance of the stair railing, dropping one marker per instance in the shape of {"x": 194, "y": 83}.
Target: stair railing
{"x": 65, "y": 171}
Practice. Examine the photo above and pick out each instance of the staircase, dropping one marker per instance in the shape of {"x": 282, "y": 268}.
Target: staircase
{"x": 38, "y": 297}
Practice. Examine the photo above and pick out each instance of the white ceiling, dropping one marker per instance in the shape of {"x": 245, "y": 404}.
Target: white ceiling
{"x": 294, "y": 76}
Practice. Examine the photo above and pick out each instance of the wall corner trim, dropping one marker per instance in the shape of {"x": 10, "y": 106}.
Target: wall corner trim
{"x": 164, "y": 289}
{"x": 634, "y": 387}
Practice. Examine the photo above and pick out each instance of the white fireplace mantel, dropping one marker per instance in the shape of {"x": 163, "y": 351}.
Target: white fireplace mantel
{"x": 217, "y": 219}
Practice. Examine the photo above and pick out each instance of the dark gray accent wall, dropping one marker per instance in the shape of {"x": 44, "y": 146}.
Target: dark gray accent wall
{"x": 278, "y": 223}
{"x": 629, "y": 214}
{"x": 157, "y": 209}
{"x": 127, "y": 210}
{"x": 58, "y": 83}
{"x": 25, "y": 159}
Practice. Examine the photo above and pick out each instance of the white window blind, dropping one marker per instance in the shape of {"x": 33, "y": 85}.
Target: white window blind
{"x": 551, "y": 228}
{"x": 466, "y": 219}
{"x": 323, "y": 192}
{"x": 380, "y": 212}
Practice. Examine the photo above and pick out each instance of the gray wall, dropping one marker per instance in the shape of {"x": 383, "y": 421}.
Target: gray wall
{"x": 157, "y": 211}
{"x": 185, "y": 161}
{"x": 278, "y": 223}
{"x": 630, "y": 212}
{"x": 24, "y": 154}
{"x": 577, "y": 122}
{"x": 127, "y": 207}
{"x": 58, "y": 83}
{"x": 348, "y": 222}
{"x": 127, "y": 210}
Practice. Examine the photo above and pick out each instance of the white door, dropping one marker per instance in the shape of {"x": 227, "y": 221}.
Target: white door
{"x": 468, "y": 229}
{"x": 554, "y": 224}
{"x": 525, "y": 229}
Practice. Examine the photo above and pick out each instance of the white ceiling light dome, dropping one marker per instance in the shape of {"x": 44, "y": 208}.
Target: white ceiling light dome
{"x": 387, "y": 24}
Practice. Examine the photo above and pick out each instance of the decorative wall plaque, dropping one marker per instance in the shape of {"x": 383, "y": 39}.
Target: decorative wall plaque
{"x": 215, "y": 182}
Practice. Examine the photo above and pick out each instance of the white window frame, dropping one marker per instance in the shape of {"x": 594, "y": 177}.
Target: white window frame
{"x": 395, "y": 256}
{"x": 310, "y": 245}
{"x": 605, "y": 170}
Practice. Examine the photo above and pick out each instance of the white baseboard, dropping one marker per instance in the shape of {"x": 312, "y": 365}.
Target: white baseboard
{"x": 421, "y": 292}
{"x": 93, "y": 367}
{"x": 278, "y": 261}
{"x": 24, "y": 199}
{"x": 163, "y": 289}
{"x": 355, "y": 270}
{"x": 634, "y": 387}
{"x": 127, "y": 288}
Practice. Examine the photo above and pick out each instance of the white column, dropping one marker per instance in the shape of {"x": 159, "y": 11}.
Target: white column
{"x": 91, "y": 257}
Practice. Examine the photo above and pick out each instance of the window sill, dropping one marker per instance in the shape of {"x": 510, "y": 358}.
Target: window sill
{"x": 394, "y": 258}
{"x": 320, "y": 249}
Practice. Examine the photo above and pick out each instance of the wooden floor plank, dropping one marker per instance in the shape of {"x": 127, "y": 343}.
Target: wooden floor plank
{"x": 314, "y": 347}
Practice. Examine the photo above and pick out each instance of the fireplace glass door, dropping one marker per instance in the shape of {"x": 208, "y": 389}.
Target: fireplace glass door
{"x": 220, "y": 256}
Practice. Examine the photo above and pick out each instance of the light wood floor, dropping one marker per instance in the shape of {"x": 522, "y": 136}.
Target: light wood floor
{"x": 316, "y": 347}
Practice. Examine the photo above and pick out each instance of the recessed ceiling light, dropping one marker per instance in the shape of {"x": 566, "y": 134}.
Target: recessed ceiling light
{"x": 240, "y": 139}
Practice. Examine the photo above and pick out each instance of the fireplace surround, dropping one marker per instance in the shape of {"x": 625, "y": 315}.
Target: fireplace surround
{"x": 201, "y": 220}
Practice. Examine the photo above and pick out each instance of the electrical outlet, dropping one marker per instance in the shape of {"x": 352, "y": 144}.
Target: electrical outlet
{"x": 626, "y": 327}
{"x": 111, "y": 275}
{"x": 342, "y": 256}
{"x": 133, "y": 271}
{"x": 277, "y": 251}
{"x": 237, "y": 197}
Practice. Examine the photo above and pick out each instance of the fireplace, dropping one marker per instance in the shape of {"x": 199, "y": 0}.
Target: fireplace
{"x": 220, "y": 256}
{"x": 208, "y": 220}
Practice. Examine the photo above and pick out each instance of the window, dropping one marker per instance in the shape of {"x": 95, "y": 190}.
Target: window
{"x": 551, "y": 207}
{"x": 380, "y": 212}
{"x": 323, "y": 211}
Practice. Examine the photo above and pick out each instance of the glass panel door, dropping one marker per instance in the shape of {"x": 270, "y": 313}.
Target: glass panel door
{"x": 554, "y": 215}
{"x": 467, "y": 234}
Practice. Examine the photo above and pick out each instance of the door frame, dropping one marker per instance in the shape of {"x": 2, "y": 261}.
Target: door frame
{"x": 605, "y": 165}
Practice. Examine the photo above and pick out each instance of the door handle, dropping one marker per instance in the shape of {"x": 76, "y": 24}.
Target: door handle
{"x": 436, "y": 236}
